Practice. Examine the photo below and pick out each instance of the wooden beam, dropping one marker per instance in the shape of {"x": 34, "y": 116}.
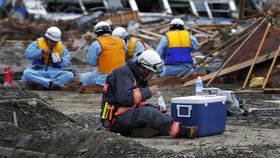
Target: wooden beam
{"x": 160, "y": 27}
{"x": 148, "y": 37}
{"x": 72, "y": 86}
{"x": 233, "y": 68}
{"x": 249, "y": 91}
{"x": 271, "y": 67}
{"x": 151, "y": 33}
{"x": 241, "y": 10}
{"x": 271, "y": 90}
{"x": 257, "y": 54}
{"x": 212, "y": 25}
{"x": 205, "y": 30}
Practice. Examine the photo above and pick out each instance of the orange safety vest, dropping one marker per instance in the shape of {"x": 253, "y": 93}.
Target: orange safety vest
{"x": 42, "y": 44}
{"x": 132, "y": 46}
{"x": 112, "y": 55}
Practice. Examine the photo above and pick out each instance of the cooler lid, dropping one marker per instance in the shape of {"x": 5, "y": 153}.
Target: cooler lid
{"x": 199, "y": 99}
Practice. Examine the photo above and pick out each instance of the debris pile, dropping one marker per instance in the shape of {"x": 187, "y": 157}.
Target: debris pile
{"x": 43, "y": 129}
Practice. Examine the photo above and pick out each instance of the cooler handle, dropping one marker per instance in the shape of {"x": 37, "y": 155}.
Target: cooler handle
{"x": 184, "y": 106}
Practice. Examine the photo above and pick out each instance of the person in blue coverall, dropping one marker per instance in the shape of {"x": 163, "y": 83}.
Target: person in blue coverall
{"x": 176, "y": 48}
{"x": 49, "y": 56}
{"x": 134, "y": 44}
{"x": 107, "y": 53}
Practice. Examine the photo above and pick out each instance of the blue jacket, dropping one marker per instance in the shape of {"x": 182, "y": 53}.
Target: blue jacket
{"x": 33, "y": 53}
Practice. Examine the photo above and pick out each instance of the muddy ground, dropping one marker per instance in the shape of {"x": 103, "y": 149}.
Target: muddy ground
{"x": 44, "y": 124}
{"x": 42, "y": 128}
{"x": 248, "y": 136}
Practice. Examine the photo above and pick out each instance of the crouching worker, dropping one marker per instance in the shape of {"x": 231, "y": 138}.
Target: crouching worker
{"x": 176, "y": 49}
{"x": 107, "y": 52}
{"x": 124, "y": 109}
{"x": 134, "y": 44}
{"x": 49, "y": 56}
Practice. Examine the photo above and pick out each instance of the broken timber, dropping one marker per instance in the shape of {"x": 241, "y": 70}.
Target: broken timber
{"x": 257, "y": 54}
{"x": 233, "y": 68}
{"x": 238, "y": 49}
{"x": 222, "y": 49}
{"x": 271, "y": 90}
{"x": 122, "y": 18}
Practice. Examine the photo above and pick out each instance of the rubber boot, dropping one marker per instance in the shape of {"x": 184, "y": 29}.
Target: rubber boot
{"x": 187, "y": 132}
{"x": 54, "y": 86}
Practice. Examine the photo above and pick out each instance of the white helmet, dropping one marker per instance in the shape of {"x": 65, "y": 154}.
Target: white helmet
{"x": 53, "y": 33}
{"x": 177, "y": 21}
{"x": 151, "y": 60}
{"x": 120, "y": 32}
{"x": 176, "y": 24}
{"x": 102, "y": 26}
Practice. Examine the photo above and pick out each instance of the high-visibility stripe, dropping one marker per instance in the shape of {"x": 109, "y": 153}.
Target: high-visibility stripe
{"x": 174, "y": 129}
{"x": 122, "y": 110}
{"x": 143, "y": 104}
{"x": 135, "y": 83}
{"x": 105, "y": 87}
{"x": 137, "y": 96}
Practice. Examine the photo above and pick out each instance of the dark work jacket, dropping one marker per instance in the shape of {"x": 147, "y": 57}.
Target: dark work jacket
{"x": 121, "y": 85}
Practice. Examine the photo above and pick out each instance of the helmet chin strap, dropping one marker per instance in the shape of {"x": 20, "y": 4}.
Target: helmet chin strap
{"x": 145, "y": 72}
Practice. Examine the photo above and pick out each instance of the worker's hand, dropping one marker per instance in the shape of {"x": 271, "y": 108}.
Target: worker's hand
{"x": 46, "y": 51}
{"x": 56, "y": 58}
{"x": 154, "y": 90}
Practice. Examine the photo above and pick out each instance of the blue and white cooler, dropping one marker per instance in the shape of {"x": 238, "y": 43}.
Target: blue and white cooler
{"x": 207, "y": 112}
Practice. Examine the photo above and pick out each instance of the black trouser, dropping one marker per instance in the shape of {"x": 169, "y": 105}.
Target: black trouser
{"x": 141, "y": 117}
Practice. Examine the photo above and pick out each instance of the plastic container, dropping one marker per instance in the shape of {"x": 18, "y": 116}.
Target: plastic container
{"x": 206, "y": 112}
{"x": 8, "y": 76}
{"x": 198, "y": 87}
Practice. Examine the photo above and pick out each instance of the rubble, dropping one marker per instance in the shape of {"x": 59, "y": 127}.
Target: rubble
{"x": 66, "y": 123}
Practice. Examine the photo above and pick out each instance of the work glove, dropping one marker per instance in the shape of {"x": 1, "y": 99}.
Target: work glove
{"x": 56, "y": 58}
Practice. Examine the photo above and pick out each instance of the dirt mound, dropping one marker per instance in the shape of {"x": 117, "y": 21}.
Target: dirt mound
{"x": 42, "y": 128}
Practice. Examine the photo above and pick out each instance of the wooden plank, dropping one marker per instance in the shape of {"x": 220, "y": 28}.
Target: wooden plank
{"x": 272, "y": 90}
{"x": 241, "y": 91}
{"x": 212, "y": 25}
{"x": 148, "y": 37}
{"x": 205, "y": 30}
{"x": 151, "y": 33}
{"x": 257, "y": 54}
{"x": 233, "y": 68}
{"x": 10, "y": 42}
{"x": 241, "y": 9}
{"x": 91, "y": 89}
{"x": 72, "y": 86}
{"x": 26, "y": 42}
{"x": 122, "y": 18}
{"x": 271, "y": 67}
{"x": 4, "y": 20}
{"x": 160, "y": 27}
